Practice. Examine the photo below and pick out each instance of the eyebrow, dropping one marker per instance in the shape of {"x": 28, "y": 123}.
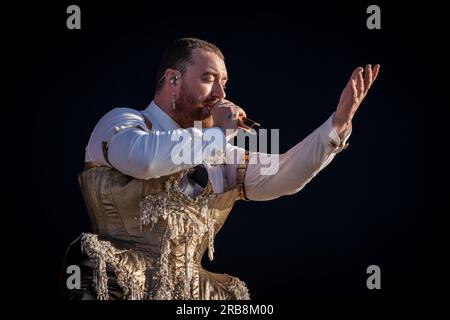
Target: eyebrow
{"x": 213, "y": 73}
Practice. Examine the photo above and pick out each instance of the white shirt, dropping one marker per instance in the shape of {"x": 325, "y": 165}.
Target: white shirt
{"x": 137, "y": 152}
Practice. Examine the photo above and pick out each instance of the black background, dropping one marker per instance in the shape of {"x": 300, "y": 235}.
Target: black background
{"x": 376, "y": 203}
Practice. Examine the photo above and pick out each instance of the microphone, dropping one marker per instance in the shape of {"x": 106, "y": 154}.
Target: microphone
{"x": 249, "y": 123}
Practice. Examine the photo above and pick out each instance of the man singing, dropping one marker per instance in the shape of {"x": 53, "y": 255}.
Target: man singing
{"x": 153, "y": 216}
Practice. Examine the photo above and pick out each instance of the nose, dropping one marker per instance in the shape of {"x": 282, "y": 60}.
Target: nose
{"x": 218, "y": 91}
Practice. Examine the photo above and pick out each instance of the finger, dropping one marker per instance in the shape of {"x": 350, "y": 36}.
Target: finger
{"x": 232, "y": 114}
{"x": 241, "y": 112}
{"x": 376, "y": 69}
{"x": 355, "y": 73}
{"x": 231, "y": 106}
{"x": 354, "y": 90}
{"x": 354, "y": 77}
{"x": 367, "y": 78}
{"x": 228, "y": 106}
{"x": 224, "y": 102}
{"x": 360, "y": 84}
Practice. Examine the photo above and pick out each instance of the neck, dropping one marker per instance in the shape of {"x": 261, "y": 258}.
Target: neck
{"x": 165, "y": 105}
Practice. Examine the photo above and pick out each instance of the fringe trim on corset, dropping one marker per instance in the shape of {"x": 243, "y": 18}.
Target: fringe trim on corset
{"x": 128, "y": 267}
{"x": 239, "y": 289}
{"x": 187, "y": 219}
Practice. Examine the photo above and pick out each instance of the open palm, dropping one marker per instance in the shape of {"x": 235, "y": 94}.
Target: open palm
{"x": 353, "y": 94}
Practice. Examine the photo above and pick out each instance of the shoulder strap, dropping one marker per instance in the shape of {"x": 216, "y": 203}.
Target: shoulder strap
{"x": 105, "y": 144}
{"x": 240, "y": 176}
{"x": 147, "y": 122}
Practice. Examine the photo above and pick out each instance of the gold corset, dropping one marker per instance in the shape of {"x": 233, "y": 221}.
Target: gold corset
{"x": 152, "y": 236}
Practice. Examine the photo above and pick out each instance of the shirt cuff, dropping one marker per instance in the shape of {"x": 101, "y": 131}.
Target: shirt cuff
{"x": 331, "y": 138}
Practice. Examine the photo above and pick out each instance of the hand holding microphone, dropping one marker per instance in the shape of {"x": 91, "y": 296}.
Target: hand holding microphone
{"x": 227, "y": 115}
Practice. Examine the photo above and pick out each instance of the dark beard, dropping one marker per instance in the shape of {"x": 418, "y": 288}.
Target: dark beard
{"x": 189, "y": 109}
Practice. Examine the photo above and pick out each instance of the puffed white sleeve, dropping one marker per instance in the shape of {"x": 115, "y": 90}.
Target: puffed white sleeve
{"x": 269, "y": 176}
{"x": 145, "y": 154}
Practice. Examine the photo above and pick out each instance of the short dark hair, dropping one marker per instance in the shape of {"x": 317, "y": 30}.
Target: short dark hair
{"x": 179, "y": 53}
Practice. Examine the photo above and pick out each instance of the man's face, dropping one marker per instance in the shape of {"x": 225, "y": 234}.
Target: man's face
{"x": 201, "y": 87}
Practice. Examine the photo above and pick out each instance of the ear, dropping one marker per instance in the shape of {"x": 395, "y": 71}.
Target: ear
{"x": 172, "y": 77}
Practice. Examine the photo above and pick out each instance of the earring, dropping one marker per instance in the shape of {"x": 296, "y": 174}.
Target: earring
{"x": 173, "y": 102}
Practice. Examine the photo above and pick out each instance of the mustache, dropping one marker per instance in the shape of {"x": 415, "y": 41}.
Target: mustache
{"x": 210, "y": 101}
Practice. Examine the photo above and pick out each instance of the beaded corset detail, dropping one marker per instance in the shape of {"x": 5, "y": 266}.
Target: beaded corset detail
{"x": 151, "y": 237}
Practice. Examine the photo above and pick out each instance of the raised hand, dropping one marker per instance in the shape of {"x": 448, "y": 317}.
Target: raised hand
{"x": 352, "y": 96}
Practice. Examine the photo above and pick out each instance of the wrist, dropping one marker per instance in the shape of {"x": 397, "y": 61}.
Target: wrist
{"x": 341, "y": 125}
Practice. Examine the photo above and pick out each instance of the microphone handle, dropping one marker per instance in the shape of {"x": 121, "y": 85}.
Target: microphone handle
{"x": 249, "y": 122}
